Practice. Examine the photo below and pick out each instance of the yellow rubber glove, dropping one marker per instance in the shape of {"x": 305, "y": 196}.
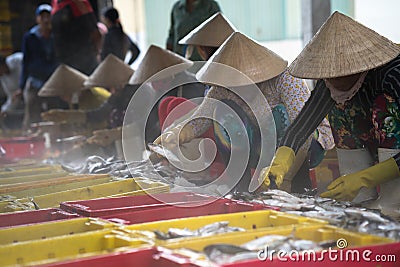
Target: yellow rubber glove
{"x": 346, "y": 187}
{"x": 169, "y": 138}
{"x": 105, "y": 137}
{"x": 283, "y": 160}
{"x": 60, "y": 115}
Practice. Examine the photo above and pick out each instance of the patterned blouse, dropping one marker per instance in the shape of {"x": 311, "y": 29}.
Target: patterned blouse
{"x": 371, "y": 118}
{"x": 284, "y": 90}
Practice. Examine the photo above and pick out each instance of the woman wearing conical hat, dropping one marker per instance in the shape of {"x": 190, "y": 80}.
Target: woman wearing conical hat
{"x": 358, "y": 87}
{"x": 67, "y": 84}
{"x": 112, "y": 74}
{"x": 155, "y": 60}
{"x": 206, "y": 39}
{"x": 284, "y": 93}
{"x": 208, "y": 36}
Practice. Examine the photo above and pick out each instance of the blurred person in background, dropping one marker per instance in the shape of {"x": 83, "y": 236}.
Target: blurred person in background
{"x": 39, "y": 62}
{"x": 12, "y": 111}
{"x": 116, "y": 41}
{"x": 114, "y": 109}
{"x": 76, "y": 35}
{"x": 206, "y": 39}
{"x": 185, "y": 16}
{"x": 68, "y": 84}
{"x": 111, "y": 75}
{"x": 208, "y": 36}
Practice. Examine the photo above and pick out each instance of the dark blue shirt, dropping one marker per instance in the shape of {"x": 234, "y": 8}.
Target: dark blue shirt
{"x": 39, "y": 57}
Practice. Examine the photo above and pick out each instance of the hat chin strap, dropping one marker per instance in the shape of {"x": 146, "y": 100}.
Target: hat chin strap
{"x": 340, "y": 96}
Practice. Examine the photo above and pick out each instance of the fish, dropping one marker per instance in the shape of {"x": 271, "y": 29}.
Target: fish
{"x": 97, "y": 165}
{"x": 270, "y": 241}
{"x": 163, "y": 151}
{"x": 263, "y": 247}
{"x": 34, "y": 203}
{"x": 366, "y": 214}
{"x": 209, "y": 229}
{"x": 285, "y": 206}
{"x": 176, "y": 233}
{"x": 342, "y": 214}
{"x": 161, "y": 235}
{"x": 16, "y": 205}
{"x": 300, "y": 245}
{"x": 6, "y": 197}
{"x": 243, "y": 256}
{"x": 327, "y": 244}
{"x": 225, "y": 248}
{"x": 212, "y": 228}
{"x": 223, "y": 253}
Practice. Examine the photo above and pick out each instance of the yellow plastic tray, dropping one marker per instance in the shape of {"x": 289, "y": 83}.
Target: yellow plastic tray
{"x": 6, "y": 182}
{"x": 146, "y": 186}
{"x": 39, "y": 231}
{"x": 110, "y": 189}
{"x": 53, "y": 185}
{"x": 250, "y": 221}
{"x": 22, "y": 164}
{"x": 67, "y": 247}
{"x": 317, "y": 233}
{"x": 30, "y": 171}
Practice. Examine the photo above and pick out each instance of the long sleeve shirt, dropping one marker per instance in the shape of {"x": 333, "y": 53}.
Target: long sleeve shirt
{"x": 39, "y": 59}
{"x": 283, "y": 89}
{"x": 370, "y": 119}
{"x": 116, "y": 42}
{"x": 10, "y": 84}
{"x": 76, "y": 36}
{"x": 182, "y": 22}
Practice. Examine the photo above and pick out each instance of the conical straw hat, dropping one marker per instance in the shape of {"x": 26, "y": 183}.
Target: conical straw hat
{"x": 240, "y": 53}
{"x": 111, "y": 73}
{"x": 212, "y": 32}
{"x": 65, "y": 80}
{"x": 342, "y": 47}
{"x": 157, "y": 59}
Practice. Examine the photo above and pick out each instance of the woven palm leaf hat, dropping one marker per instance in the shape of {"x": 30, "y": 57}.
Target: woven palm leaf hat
{"x": 156, "y": 60}
{"x": 212, "y": 32}
{"x": 241, "y": 53}
{"x": 65, "y": 80}
{"x": 342, "y": 47}
{"x": 112, "y": 72}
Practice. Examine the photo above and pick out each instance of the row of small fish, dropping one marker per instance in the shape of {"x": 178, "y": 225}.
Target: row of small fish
{"x": 16, "y": 205}
{"x": 207, "y": 230}
{"x": 262, "y": 248}
{"x": 96, "y": 165}
{"x": 340, "y": 214}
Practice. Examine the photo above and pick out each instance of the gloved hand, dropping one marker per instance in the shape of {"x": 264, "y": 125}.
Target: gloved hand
{"x": 169, "y": 138}
{"x": 105, "y": 137}
{"x": 346, "y": 187}
{"x": 60, "y": 115}
{"x": 283, "y": 160}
